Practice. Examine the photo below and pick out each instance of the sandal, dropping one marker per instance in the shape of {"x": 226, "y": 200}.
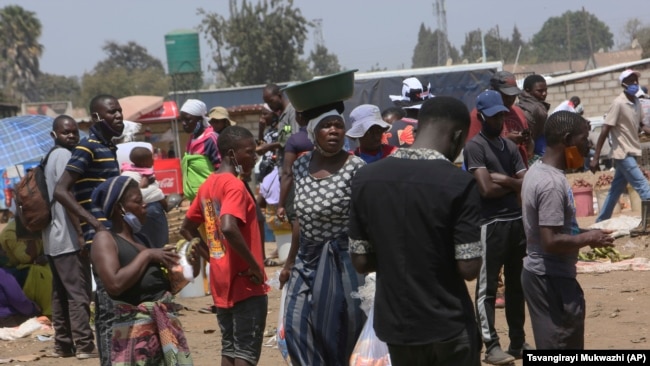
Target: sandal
{"x": 211, "y": 310}
{"x": 271, "y": 262}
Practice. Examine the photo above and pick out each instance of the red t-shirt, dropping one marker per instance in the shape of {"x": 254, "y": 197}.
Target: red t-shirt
{"x": 224, "y": 194}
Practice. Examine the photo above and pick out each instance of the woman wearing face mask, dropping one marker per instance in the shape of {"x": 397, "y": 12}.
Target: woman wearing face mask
{"x": 319, "y": 270}
{"x": 202, "y": 154}
{"x": 134, "y": 278}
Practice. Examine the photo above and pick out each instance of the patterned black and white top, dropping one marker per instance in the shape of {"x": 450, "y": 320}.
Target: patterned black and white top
{"x": 323, "y": 204}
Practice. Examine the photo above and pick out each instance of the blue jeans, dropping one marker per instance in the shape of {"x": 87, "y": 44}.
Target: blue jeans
{"x": 627, "y": 171}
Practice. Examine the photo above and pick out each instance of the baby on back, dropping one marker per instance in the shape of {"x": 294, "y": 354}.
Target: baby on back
{"x": 141, "y": 169}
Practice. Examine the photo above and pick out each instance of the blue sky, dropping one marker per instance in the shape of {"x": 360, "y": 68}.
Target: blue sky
{"x": 361, "y": 33}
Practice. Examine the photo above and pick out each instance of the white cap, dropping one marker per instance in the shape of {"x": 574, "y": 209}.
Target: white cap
{"x": 363, "y": 118}
{"x": 627, "y": 73}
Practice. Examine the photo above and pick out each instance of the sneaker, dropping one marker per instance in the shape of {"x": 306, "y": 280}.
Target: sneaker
{"x": 496, "y": 356}
{"x": 86, "y": 355}
{"x": 60, "y": 354}
{"x": 519, "y": 352}
{"x": 500, "y": 302}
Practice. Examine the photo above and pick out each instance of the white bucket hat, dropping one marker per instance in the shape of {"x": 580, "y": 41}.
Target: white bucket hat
{"x": 363, "y": 118}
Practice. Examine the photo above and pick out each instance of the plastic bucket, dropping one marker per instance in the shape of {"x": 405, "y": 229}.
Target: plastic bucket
{"x": 194, "y": 289}
{"x": 283, "y": 243}
{"x": 584, "y": 199}
{"x": 601, "y": 195}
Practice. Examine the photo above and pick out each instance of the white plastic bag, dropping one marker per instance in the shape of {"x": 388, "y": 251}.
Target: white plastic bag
{"x": 282, "y": 341}
{"x": 182, "y": 273}
{"x": 369, "y": 350}
{"x": 188, "y": 271}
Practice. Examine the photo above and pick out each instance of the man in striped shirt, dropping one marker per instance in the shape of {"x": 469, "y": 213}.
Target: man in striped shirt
{"x": 93, "y": 161}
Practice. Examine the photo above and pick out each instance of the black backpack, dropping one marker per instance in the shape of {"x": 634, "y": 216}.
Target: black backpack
{"x": 33, "y": 205}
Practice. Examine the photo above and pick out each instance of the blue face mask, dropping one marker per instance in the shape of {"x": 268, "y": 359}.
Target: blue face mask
{"x": 198, "y": 128}
{"x": 132, "y": 221}
{"x": 632, "y": 89}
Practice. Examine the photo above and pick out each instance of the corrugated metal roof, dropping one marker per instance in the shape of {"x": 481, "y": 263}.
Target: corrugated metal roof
{"x": 594, "y": 72}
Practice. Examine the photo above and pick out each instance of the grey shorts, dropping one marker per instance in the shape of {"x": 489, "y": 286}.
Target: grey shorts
{"x": 242, "y": 328}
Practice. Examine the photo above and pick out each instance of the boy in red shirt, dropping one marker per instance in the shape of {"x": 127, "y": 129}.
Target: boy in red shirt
{"x": 227, "y": 208}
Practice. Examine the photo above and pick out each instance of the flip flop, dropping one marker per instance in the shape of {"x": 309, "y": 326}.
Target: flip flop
{"x": 270, "y": 262}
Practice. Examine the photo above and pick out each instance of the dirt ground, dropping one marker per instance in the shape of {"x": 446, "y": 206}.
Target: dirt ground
{"x": 618, "y": 317}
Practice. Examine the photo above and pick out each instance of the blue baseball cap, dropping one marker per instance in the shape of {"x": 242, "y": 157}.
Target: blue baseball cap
{"x": 490, "y": 103}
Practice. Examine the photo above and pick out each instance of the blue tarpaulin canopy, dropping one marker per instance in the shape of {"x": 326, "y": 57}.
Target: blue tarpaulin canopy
{"x": 24, "y": 138}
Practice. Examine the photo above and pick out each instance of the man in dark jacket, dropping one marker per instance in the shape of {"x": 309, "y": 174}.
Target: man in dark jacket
{"x": 533, "y": 102}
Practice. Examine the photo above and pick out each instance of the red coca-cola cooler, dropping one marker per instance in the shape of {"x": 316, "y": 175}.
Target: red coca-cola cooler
{"x": 168, "y": 175}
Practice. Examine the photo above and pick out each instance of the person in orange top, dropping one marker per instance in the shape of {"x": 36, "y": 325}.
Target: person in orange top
{"x": 234, "y": 249}
{"x": 414, "y": 93}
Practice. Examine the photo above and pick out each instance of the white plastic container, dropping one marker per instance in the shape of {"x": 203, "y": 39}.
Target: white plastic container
{"x": 194, "y": 289}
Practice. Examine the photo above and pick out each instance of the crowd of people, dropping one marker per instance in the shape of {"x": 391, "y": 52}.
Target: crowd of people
{"x": 505, "y": 218}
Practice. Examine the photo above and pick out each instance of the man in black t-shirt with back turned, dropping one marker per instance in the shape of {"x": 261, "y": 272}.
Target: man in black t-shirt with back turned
{"x": 413, "y": 220}
{"x": 499, "y": 170}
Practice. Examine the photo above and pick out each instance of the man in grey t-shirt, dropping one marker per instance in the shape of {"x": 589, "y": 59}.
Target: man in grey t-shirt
{"x": 555, "y": 300}
{"x": 70, "y": 263}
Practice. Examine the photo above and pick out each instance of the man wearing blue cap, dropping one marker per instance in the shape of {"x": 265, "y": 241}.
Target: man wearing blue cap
{"x": 499, "y": 170}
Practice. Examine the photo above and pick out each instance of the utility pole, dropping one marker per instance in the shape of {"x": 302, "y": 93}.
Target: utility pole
{"x": 443, "y": 46}
{"x": 500, "y": 44}
{"x": 586, "y": 19}
{"x": 318, "y": 32}
{"x": 568, "y": 39}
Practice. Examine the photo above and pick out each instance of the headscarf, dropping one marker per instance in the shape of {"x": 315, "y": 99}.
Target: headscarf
{"x": 196, "y": 108}
{"x": 109, "y": 193}
{"x": 311, "y": 126}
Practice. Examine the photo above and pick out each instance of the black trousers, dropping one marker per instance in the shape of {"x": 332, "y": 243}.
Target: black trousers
{"x": 71, "y": 292}
{"x": 464, "y": 349}
{"x": 557, "y": 311}
{"x": 504, "y": 244}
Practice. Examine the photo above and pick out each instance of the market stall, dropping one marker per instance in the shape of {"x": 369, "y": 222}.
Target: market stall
{"x": 160, "y": 129}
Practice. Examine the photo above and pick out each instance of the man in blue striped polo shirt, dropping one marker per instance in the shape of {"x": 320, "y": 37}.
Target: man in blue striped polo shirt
{"x": 93, "y": 161}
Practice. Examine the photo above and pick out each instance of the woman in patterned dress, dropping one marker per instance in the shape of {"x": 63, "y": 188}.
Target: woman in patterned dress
{"x": 322, "y": 321}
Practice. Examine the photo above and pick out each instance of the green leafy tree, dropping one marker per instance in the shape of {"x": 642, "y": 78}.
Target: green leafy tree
{"x": 525, "y": 56}
{"x": 50, "y": 88}
{"x": 497, "y": 48}
{"x": 127, "y": 70}
{"x": 573, "y": 35}
{"x": 472, "y": 48}
{"x": 516, "y": 39}
{"x": 130, "y": 56}
{"x": 258, "y": 43}
{"x": 323, "y": 62}
{"x": 630, "y": 31}
{"x": 643, "y": 37}
{"x": 425, "y": 53}
{"x": 20, "y": 50}
{"x": 634, "y": 29}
